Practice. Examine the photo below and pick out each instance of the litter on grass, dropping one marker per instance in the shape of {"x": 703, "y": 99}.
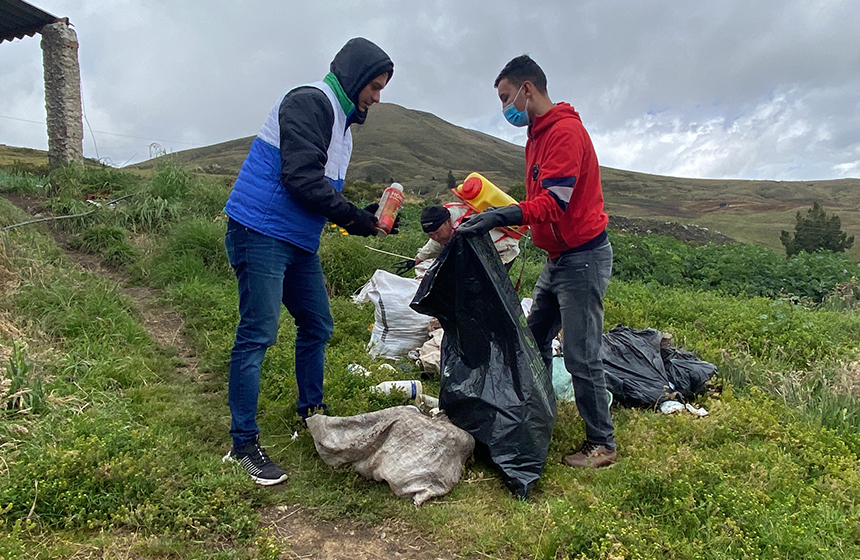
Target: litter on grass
{"x": 419, "y": 457}
{"x": 643, "y": 369}
{"x": 397, "y": 329}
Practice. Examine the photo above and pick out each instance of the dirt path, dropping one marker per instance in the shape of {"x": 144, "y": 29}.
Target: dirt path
{"x": 299, "y": 533}
{"x": 308, "y": 539}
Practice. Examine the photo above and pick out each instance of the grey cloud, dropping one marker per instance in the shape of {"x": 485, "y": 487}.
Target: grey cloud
{"x": 715, "y": 88}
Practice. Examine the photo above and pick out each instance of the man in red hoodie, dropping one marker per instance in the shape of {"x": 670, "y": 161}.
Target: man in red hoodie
{"x": 564, "y": 207}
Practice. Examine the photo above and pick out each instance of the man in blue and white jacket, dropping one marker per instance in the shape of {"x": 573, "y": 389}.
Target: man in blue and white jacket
{"x": 288, "y": 187}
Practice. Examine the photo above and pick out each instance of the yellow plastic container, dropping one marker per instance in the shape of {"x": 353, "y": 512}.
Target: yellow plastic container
{"x": 478, "y": 192}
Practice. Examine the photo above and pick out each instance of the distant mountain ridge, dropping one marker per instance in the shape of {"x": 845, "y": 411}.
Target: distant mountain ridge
{"x": 418, "y": 149}
{"x": 411, "y": 147}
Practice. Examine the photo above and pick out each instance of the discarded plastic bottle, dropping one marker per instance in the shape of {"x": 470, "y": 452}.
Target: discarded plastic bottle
{"x": 358, "y": 369}
{"x": 477, "y": 191}
{"x": 412, "y": 388}
{"x": 427, "y": 402}
{"x": 389, "y": 207}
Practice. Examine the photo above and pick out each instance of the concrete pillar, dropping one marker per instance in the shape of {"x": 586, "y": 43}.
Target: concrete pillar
{"x": 62, "y": 94}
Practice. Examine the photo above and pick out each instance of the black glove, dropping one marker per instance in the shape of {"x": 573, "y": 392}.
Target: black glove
{"x": 404, "y": 266}
{"x": 363, "y": 221}
{"x": 491, "y": 218}
{"x": 395, "y": 227}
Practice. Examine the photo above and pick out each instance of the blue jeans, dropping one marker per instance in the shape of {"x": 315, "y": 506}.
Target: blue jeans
{"x": 271, "y": 272}
{"x": 569, "y": 295}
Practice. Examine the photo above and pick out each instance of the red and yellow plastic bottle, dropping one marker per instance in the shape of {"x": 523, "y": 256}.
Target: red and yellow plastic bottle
{"x": 389, "y": 207}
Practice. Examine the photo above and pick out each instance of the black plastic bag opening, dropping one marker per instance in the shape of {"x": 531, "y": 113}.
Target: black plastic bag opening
{"x": 495, "y": 384}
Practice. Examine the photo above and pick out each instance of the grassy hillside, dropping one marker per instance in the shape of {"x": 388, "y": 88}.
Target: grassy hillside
{"x": 418, "y": 149}
{"x": 115, "y": 336}
{"x": 748, "y": 211}
{"x": 411, "y": 147}
{"x": 23, "y": 159}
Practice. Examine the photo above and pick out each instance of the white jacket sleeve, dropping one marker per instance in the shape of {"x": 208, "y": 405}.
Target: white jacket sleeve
{"x": 430, "y": 250}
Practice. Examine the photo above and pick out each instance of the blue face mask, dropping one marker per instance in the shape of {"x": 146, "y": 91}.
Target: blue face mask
{"x": 514, "y": 115}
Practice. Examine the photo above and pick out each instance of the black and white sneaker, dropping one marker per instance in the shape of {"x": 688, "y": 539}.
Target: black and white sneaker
{"x": 253, "y": 458}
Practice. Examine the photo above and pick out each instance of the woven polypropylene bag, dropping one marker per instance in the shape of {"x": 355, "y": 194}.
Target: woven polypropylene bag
{"x": 418, "y": 456}
{"x": 397, "y": 329}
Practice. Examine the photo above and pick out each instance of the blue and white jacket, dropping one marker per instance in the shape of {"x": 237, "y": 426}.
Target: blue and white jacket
{"x": 291, "y": 181}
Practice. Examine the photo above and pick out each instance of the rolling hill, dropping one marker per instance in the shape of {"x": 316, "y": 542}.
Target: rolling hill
{"x": 412, "y": 147}
{"x": 418, "y": 150}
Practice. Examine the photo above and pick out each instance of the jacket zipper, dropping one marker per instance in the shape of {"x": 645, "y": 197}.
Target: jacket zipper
{"x": 555, "y": 235}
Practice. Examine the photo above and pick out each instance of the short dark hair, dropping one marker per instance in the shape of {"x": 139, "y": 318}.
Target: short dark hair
{"x": 522, "y": 69}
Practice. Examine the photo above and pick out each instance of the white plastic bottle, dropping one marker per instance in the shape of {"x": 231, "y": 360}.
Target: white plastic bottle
{"x": 411, "y": 388}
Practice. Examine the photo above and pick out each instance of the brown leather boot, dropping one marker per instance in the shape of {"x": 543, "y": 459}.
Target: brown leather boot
{"x": 591, "y": 455}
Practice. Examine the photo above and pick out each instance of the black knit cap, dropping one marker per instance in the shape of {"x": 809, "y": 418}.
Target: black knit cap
{"x": 432, "y": 218}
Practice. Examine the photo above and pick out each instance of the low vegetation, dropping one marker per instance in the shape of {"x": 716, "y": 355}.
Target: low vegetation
{"x": 105, "y": 439}
{"x": 735, "y": 269}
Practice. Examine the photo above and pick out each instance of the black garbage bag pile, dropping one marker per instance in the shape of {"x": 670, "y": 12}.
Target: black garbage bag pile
{"x": 495, "y": 384}
{"x": 642, "y": 371}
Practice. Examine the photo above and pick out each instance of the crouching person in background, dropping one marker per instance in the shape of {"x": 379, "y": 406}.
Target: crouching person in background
{"x": 440, "y": 223}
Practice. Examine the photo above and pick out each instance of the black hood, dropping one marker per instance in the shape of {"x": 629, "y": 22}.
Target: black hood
{"x": 357, "y": 63}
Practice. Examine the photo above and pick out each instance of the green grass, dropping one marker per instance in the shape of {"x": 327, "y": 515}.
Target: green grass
{"x": 23, "y": 160}
{"x": 732, "y": 268}
{"x": 21, "y": 182}
{"x": 123, "y": 453}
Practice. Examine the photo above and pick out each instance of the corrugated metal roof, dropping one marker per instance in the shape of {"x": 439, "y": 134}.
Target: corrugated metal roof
{"x": 19, "y": 19}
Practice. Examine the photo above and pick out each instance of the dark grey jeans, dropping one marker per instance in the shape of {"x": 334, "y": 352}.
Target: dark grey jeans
{"x": 569, "y": 295}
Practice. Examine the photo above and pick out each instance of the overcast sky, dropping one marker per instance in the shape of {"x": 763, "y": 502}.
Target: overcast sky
{"x": 764, "y": 89}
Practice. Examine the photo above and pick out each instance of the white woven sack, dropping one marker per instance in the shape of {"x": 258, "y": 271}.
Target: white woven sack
{"x": 397, "y": 329}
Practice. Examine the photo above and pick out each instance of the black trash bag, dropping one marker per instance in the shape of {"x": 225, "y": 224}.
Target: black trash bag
{"x": 641, "y": 372}
{"x": 687, "y": 373}
{"x": 495, "y": 384}
{"x": 635, "y": 373}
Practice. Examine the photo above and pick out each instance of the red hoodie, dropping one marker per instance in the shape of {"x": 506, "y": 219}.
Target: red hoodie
{"x": 564, "y": 197}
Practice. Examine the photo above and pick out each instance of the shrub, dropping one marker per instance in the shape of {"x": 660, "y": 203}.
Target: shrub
{"x": 21, "y": 182}
{"x": 143, "y": 213}
{"x": 348, "y": 264}
{"x": 21, "y": 391}
{"x": 192, "y": 249}
{"x": 171, "y": 180}
{"x": 82, "y": 182}
{"x": 363, "y": 192}
{"x": 206, "y": 198}
{"x": 108, "y": 241}
{"x": 732, "y": 268}
{"x": 816, "y": 232}
{"x": 518, "y": 191}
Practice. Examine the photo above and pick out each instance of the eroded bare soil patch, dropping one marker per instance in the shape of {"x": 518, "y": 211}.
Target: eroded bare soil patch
{"x": 309, "y": 539}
